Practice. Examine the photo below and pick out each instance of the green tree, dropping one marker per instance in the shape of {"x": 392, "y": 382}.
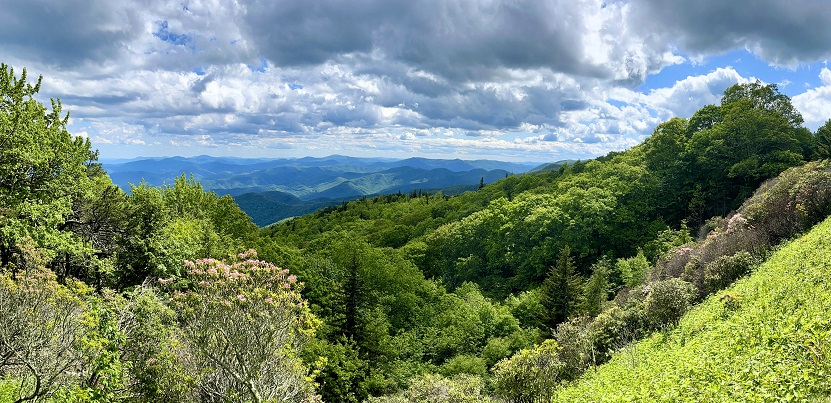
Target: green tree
{"x": 41, "y": 166}
{"x": 633, "y": 270}
{"x": 560, "y": 292}
{"x": 596, "y": 290}
{"x": 823, "y": 141}
{"x": 757, "y": 135}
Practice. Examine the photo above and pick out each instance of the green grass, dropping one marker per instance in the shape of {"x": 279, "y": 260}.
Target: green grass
{"x": 773, "y": 345}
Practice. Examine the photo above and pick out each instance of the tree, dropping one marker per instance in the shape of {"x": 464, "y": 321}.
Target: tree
{"x": 41, "y": 165}
{"x": 755, "y": 134}
{"x": 823, "y": 141}
{"x": 596, "y": 290}
{"x": 244, "y": 323}
{"x": 560, "y": 292}
{"x": 763, "y": 97}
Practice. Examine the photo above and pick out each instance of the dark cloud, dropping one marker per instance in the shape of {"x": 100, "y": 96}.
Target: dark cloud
{"x": 781, "y": 32}
{"x": 297, "y": 33}
{"x": 64, "y": 33}
{"x": 459, "y": 39}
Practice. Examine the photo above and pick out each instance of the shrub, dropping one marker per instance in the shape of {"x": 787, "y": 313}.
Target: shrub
{"x": 576, "y": 346}
{"x": 433, "y": 388}
{"x": 608, "y": 330}
{"x": 530, "y": 375}
{"x": 41, "y": 328}
{"x": 634, "y": 269}
{"x": 668, "y": 300}
{"x": 243, "y": 323}
{"x": 723, "y": 271}
{"x": 464, "y": 364}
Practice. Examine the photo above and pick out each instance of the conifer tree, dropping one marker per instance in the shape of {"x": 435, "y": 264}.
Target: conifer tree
{"x": 560, "y": 292}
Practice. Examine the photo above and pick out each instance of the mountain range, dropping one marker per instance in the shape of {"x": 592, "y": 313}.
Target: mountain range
{"x": 273, "y": 189}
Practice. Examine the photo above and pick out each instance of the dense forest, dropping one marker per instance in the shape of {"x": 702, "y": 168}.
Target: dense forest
{"x": 509, "y": 293}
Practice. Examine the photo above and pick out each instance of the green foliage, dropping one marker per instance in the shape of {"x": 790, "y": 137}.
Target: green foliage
{"x": 771, "y": 346}
{"x": 433, "y": 388}
{"x": 243, "y": 323}
{"x": 41, "y": 168}
{"x": 530, "y": 375}
{"x": 464, "y": 364}
{"x": 597, "y": 288}
{"x": 41, "y": 329}
{"x": 633, "y": 270}
{"x": 823, "y": 141}
{"x": 342, "y": 371}
{"x": 528, "y": 309}
{"x": 723, "y": 271}
{"x": 576, "y": 351}
{"x": 559, "y": 292}
{"x": 175, "y": 223}
{"x": 667, "y": 301}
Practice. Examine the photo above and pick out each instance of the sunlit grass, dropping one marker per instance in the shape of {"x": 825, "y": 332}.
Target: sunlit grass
{"x": 771, "y": 342}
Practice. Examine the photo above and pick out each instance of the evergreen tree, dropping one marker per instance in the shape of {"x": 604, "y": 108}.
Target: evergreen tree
{"x": 823, "y": 141}
{"x": 560, "y": 292}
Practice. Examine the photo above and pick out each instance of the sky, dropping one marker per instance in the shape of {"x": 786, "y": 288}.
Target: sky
{"x": 512, "y": 80}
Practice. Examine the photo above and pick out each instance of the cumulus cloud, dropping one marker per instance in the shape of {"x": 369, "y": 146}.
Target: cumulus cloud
{"x": 529, "y": 79}
{"x": 815, "y": 104}
{"x": 783, "y": 33}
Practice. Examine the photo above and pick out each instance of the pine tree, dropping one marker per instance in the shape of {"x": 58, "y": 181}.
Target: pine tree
{"x": 560, "y": 292}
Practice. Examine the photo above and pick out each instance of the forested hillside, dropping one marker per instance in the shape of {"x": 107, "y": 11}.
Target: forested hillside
{"x": 505, "y": 293}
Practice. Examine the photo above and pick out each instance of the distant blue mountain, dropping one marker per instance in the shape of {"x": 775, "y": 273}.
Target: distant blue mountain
{"x": 272, "y": 189}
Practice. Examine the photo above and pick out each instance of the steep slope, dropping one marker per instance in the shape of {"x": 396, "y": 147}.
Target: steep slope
{"x": 767, "y": 338}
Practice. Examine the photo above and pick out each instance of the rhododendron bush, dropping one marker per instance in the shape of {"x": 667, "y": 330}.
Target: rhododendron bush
{"x": 243, "y": 322}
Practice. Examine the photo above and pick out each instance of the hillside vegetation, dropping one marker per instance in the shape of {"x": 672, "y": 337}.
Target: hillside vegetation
{"x": 506, "y": 293}
{"x": 767, "y": 338}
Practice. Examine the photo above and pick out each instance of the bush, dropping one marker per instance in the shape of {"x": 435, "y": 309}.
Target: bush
{"x": 243, "y": 323}
{"x": 576, "y": 347}
{"x": 668, "y": 300}
{"x": 41, "y": 328}
{"x": 530, "y": 375}
{"x": 634, "y": 269}
{"x": 608, "y": 331}
{"x": 464, "y": 364}
{"x": 723, "y": 271}
{"x": 433, "y": 388}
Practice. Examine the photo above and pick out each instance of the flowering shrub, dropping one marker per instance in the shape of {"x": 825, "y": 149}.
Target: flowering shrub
{"x": 243, "y": 323}
{"x": 41, "y": 325}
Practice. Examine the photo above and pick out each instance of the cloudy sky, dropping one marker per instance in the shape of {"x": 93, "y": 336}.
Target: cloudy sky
{"x": 512, "y": 80}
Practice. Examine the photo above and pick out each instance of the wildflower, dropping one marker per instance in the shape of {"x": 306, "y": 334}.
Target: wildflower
{"x": 292, "y": 279}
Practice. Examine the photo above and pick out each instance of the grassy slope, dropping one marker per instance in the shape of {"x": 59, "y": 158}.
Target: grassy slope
{"x": 775, "y": 346}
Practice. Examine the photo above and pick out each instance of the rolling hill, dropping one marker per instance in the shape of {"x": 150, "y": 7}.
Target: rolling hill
{"x": 273, "y": 189}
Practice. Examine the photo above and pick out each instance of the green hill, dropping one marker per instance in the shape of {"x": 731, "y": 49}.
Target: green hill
{"x": 767, "y": 338}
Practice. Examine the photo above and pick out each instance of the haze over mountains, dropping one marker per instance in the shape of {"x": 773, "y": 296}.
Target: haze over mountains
{"x": 273, "y": 189}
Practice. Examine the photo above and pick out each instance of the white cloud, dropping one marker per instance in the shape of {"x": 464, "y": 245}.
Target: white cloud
{"x": 815, "y": 103}
{"x": 528, "y": 79}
